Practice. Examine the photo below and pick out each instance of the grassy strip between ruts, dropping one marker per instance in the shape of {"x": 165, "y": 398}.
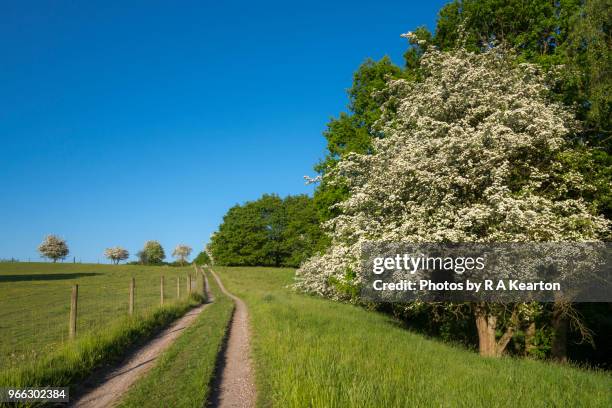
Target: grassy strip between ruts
{"x": 312, "y": 352}
{"x": 182, "y": 377}
{"x": 75, "y": 360}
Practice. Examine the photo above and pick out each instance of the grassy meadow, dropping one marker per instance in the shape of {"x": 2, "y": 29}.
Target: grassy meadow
{"x": 312, "y": 352}
{"x": 182, "y": 376}
{"x": 35, "y": 302}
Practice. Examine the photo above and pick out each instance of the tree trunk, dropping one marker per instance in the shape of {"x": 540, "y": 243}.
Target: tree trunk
{"x": 530, "y": 338}
{"x": 559, "y": 324}
{"x": 486, "y": 325}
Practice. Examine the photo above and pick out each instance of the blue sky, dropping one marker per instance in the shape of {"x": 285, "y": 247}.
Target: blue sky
{"x": 127, "y": 121}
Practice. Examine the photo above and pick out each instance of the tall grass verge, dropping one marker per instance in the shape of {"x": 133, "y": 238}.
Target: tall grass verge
{"x": 312, "y": 352}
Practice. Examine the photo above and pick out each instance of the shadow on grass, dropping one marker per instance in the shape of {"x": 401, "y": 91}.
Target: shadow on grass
{"x": 46, "y": 277}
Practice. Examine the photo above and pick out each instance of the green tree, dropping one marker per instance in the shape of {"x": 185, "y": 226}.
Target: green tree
{"x": 587, "y": 53}
{"x": 269, "y": 231}
{"x": 243, "y": 237}
{"x": 152, "y": 253}
{"x": 535, "y": 28}
{"x": 301, "y": 235}
{"x": 202, "y": 259}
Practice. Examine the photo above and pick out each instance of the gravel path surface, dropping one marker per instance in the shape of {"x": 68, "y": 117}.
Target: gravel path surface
{"x": 234, "y": 386}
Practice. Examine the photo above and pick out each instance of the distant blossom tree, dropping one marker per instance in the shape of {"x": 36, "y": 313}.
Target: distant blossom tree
{"x": 54, "y": 248}
{"x": 116, "y": 254}
{"x": 182, "y": 252}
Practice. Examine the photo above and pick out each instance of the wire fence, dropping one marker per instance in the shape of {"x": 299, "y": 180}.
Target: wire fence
{"x": 34, "y": 323}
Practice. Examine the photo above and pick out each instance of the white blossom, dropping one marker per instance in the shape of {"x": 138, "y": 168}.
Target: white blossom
{"x": 182, "y": 252}
{"x": 116, "y": 254}
{"x": 469, "y": 154}
{"x": 54, "y": 248}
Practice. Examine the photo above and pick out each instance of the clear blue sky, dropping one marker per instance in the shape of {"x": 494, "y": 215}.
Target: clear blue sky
{"x": 127, "y": 121}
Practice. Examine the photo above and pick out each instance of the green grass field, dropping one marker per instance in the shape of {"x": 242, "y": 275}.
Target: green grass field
{"x": 70, "y": 363}
{"x": 35, "y": 302}
{"x": 311, "y": 352}
{"x": 182, "y": 376}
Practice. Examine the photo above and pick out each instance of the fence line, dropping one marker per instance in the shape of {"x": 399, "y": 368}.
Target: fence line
{"x": 26, "y": 333}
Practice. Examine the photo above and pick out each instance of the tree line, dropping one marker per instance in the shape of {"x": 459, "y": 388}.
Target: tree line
{"x": 56, "y": 248}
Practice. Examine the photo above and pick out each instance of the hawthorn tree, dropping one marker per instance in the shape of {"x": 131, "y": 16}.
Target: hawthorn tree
{"x": 473, "y": 152}
{"x": 181, "y": 252}
{"x": 54, "y": 248}
{"x": 116, "y": 254}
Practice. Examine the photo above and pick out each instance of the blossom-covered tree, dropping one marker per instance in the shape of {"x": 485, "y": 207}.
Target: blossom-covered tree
{"x": 181, "y": 252}
{"x": 116, "y": 254}
{"x": 471, "y": 153}
{"x": 54, "y": 248}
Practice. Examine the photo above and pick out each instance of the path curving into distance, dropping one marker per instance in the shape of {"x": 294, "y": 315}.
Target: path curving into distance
{"x": 234, "y": 386}
{"x": 108, "y": 390}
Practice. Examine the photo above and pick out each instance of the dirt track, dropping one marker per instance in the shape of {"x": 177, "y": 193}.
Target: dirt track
{"x": 234, "y": 386}
{"x": 106, "y": 391}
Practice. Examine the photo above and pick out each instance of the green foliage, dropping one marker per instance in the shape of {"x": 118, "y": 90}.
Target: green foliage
{"x": 535, "y": 28}
{"x": 202, "y": 259}
{"x": 301, "y": 235}
{"x": 588, "y": 57}
{"x": 152, "y": 253}
{"x": 352, "y": 132}
{"x": 268, "y": 231}
{"x": 595, "y": 166}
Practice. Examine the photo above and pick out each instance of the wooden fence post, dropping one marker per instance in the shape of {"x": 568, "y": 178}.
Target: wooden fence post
{"x": 204, "y": 285}
{"x": 132, "y": 289}
{"x": 73, "y": 312}
{"x": 178, "y": 287}
{"x": 161, "y": 290}
{"x": 188, "y": 284}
